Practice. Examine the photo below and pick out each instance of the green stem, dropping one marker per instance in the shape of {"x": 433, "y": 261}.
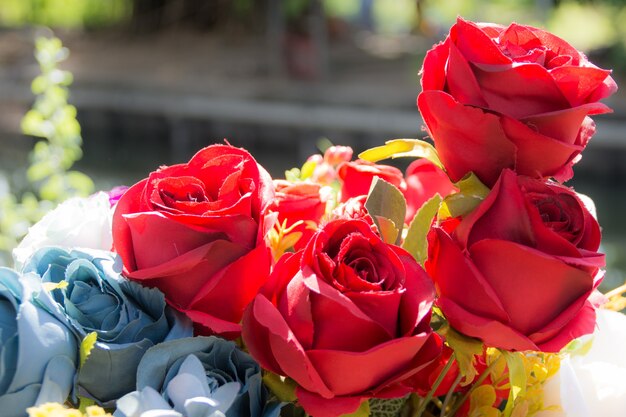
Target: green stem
{"x": 476, "y": 384}
{"x": 446, "y": 401}
{"x": 438, "y": 381}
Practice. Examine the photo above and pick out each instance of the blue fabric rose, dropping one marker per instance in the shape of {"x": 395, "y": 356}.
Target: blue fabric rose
{"x": 127, "y": 317}
{"x": 38, "y": 351}
{"x": 198, "y": 377}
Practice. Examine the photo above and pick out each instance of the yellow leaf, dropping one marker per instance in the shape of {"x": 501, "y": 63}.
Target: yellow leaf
{"x": 486, "y": 412}
{"x": 397, "y": 148}
{"x": 466, "y": 349}
{"x": 517, "y": 379}
{"x": 307, "y": 170}
{"x": 485, "y": 395}
{"x": 50, "y": 286}
{"x": 86, "y": 346}
{"x": 415, "y": 242}
{"x": 471, "y": 193}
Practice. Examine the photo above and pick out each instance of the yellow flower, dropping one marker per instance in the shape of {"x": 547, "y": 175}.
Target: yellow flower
{"x": 482, "y": 402}
{"x": 282, "y": 238}
{"x": 538, "y": 366}
{"x": 59, "y": 410}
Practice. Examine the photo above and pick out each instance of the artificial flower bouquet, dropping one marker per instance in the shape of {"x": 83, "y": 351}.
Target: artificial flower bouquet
{"x": 465, "y": 287}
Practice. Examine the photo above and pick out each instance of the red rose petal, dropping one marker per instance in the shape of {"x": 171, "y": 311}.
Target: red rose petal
{"x": 461, "y": 82}
{"x": 122, "y": 235}
{"x": 557, "y": 45}
{"x": 418, "y": 297}
{"x": 537, "y": 155}
{"x": 563, "y": 125}
{"x": 228, "y": 292}
{"x": 256, "y": 338}
{"x": 214, "y": 325}
{"x": 357, "y": 176}
{"x": 182, "y": 277}
{"x": 339, "y": 323}
{"x": 501, "y": 215}
{"x": 423, "y": 180}
{"x": 151, "y": 248}
{"x": 518, "y": 274}
{"x": 581, "y": 324}
{"x": 492, "y": 332}
{"x": 456, "y": 278}
{"x": 580, "y": 84}
{"x": 521, "y": 36}
{"x": 348, "y": 373}
{"x": 520, "y": 91}
{"x": 318, "y": 406}
{"x": 467, "y": 139}
{"x": 295, "y": 307}
{"x": 286, "y": 349}
{"x": 381, "y": 306}
{"x": 475, "y": 45}
{"x": 433, "y": 69}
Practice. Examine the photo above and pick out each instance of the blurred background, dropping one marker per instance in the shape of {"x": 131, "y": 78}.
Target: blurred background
{"x": 155, "y": 80}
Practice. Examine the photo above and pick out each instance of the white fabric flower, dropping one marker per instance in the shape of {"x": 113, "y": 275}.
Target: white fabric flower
{"x": 75, "y": 223}
{"x": 593, "y": 384}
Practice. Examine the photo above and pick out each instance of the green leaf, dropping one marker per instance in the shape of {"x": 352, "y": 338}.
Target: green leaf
{"x": 84, "y": 402}
{"x": 397, "y": 148}
{"x": 471, "y": 193}
{"x": 283, "y": 388}
{"x": 385, "y": 200}
{"x": 380, "y": 407}
{"x": 388, "y": 229}
{"x": 415, "y": 241}
{"x": 362, "y": 411}
{"x": 517, "y": 379}
{"x": 86, "y": 346}
{"x": 292, "y": 175}
{"x": 465, "y": 349}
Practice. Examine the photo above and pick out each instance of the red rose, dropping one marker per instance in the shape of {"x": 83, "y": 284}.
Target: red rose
{"x": 515, "y": 97}
{"x": 423, "y": 180}
{"x": 194, "y": 231}
{"x": 347, "y": 318}
{"x": 299, "y": 201}
{"x": 357, "y": 176}
{"x": 518, "y": 271}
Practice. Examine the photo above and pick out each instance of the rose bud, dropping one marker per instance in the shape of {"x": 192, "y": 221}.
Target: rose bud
{"x": 335, "y": 155}
{"x": 300, "y": 201}
{"x": 357, "y": 176}
{"x": 517, "y": 272}
{"x": 195, "y": 231}
{"x": 423, "y": 180}
{"x": 516, "y": 97}
{"x": 347, "y": 318}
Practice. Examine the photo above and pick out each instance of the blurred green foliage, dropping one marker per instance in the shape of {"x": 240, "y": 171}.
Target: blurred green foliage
{"x": 64, "y": 13}
{"x": 52, "y": 120}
